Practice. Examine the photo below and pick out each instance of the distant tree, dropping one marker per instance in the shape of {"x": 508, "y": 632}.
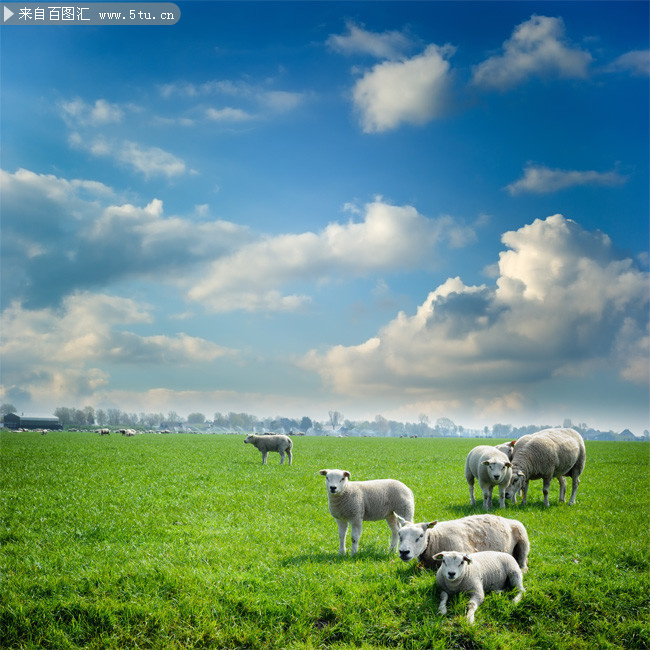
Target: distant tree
{"x": 446, "y": 427}
{"x": 5, "y": 409}
{"x": 101, "y": 418}
{"x": 196, "y": 418}
{"x": 305, "y": 424}
{"x": 423, "y": 419}
{"x": 335, "y": 418}
{"x": 89, "y": 416}
{"x": 173, "y": 417}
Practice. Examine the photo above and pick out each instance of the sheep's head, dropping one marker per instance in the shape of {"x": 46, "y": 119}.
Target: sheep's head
{"x": 412, "y": 538}
{"x": 496, "y": 469}
{"x": 249, "y": 438}
{"x": 336, "y": 480}
{"x": 516, "y": 485}
{"x": 453, "y": 564}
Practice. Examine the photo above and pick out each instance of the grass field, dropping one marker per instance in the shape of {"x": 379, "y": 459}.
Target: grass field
{"x": 183, "y": 541}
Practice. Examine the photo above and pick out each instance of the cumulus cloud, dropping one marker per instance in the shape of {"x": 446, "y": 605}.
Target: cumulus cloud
{"x": 386, "y": 45}
{"x": 563, "y": 302}
{"x": 412, "y": 91}
{"x": 77, "y": 112}
{"x": 537, "y": 48}
{"x": 389, "y": 237}
{"x": 538, "y": 179}
{"x": 63, "y": 352}
{"x": 60, "y": 236}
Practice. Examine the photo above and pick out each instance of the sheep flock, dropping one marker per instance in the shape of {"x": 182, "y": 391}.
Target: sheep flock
{"x": 475, "y": 554}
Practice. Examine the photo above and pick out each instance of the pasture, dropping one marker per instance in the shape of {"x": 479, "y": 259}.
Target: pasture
{"x": 183, "y": 541}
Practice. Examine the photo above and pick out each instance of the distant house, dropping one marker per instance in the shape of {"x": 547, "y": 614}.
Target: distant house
{"x": 13, "y": 421}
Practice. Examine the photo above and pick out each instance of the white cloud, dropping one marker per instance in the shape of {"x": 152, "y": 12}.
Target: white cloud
{"x": 412, "y": 91}
{"x": 636, "y": 62}
{"x": 539, "y": 179}
{"x": 77, "y": 112}
{"x": 563, "y": 302}
{"x": 389, "y": 237}
{"x": 537, "y": 48}
{"x": 385, "y": 45}
{"x": 227, "y": 115}
{"x": 54, "y": 353}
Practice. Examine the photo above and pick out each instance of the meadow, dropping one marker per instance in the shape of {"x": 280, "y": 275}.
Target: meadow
{"x": 188, "y": 541}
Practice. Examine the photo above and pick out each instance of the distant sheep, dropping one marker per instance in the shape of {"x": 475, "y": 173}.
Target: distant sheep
{"x": 353, "y": 502}
{"x": 267, "y": 443}
{"x": 103, "y": 432}
{"x": 491, "y": 467}
{"x": 467, "y": 535}
{"x": 476, "y": 574}
{"x": 547, "y": 454}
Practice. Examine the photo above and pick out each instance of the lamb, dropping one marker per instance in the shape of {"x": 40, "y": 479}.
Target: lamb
{"x": 506, "y": 448}
{"x": 467, "y": 535}
{"x": 491, "y": 467}
{"x": 547, "y": 454}
{"x": 358, "y": 501}
{"x": 476, "y": 574}
{"x": 267, "y": 443}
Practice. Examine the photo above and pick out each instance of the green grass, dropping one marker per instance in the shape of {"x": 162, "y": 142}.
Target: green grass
{"x": 184, "y": 541}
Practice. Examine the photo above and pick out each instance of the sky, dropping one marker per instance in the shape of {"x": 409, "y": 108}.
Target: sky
{"x": 380, "y": 208}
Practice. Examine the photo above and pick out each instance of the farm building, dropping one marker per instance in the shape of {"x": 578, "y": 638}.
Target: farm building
{"x": 13, "y": 421}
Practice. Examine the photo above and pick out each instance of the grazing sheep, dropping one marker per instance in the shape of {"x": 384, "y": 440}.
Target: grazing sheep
{"x": 358, "y": 501}
{"x": 467, "y": 535}
{"x": 267, "y": 443}
{"x": 104, "y": 432}
{"x": 491, "y": 467}
{"x": 476, "y": 574}
{"x": 547, "y": 454}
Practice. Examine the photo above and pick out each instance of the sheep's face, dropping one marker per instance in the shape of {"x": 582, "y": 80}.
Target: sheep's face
{"x": 412, "y": 540}
{"x": 249, "y": 438}
{"x": 453, "y": 565}
{"x": 507, "y": 448}
{"x": 336, "y": 480}
{"x": 496, "y": 469}
{"x": 516, "y": 485}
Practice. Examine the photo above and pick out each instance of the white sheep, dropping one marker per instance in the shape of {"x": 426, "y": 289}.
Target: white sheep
{"x": 476, "y": 574}
{"x": 547, "y": 454}
{"x": 491, "y": 467}
{"x": 506, "y": 448}
{"x": 267, "y": 443}
{"x": 103, "y": 432}
{"x": 358, "y": 501}
{"x": 467, "y": 535}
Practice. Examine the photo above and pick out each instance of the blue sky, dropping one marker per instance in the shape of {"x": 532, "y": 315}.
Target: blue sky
{"x": 390, "y": 208}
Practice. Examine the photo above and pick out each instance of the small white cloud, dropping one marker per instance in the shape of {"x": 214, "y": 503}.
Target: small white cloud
{"x": 227, "y": 115}
{"x": 384, "y": 45}
{"x": 412, "y": 91}
{"x": 538, "y": 179}
{"x": 537, "y": 48}
{"x": 636, "y": 62}
{"x": 78, "y": 113}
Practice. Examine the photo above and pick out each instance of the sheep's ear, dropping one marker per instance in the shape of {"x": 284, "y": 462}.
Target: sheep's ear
{"x": 485, "y": 462}
{"x": 431, "y": 524}
{"x": 512, "y": 444}
{"x": 508, "y": 464}
{"x": 520, "y": 473}
{"x": 439, "y": 557}
{"x": 400, "y": 520}
{"x": 323, "y": 472}
{"x": 467, "y": 558}
{"x": 347, "y": 474}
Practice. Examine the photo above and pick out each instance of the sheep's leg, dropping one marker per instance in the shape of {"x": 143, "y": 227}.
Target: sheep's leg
{"x": 476, "y": 599}
{"x": 281, "y": 458}
{"x": 264, "y": 455}
{"x": 517, "y": 583}
{"x": 472, "y": 500}
{"x": 524, "y": 492}
{"x": 442, "y": 608}
{"x": 502, "y": 496}
{"x": 545, "y": 489}
{"x": 290, "y": 456}
{"x": 356, "y": 529}
{"x": 487, "y": 497}
{"x": 343, "y": 531}
{"x": 394, "y": 526}
{"x": 575, "y": 481}
{"x": 562, "y": 481}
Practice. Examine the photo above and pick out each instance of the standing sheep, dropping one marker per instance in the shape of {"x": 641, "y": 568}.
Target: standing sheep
{"x": 476, "y": 574}
{"x": 547, "y": 454}
{"x": 358, "y": 501}
{"x": 267, "y": 443}
{"x": 467, "y": 535}
{"x": 491, "y": 467}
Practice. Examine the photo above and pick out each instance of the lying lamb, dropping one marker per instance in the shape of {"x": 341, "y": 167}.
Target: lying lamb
{"x": 358, "y": 501}
{"x": 547, "y": 454}
{"x": 467, "y": 535}
{"x": 266, "y": 443}
{"x": 476, "y": 574}
{"x": 491, "y": 467}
